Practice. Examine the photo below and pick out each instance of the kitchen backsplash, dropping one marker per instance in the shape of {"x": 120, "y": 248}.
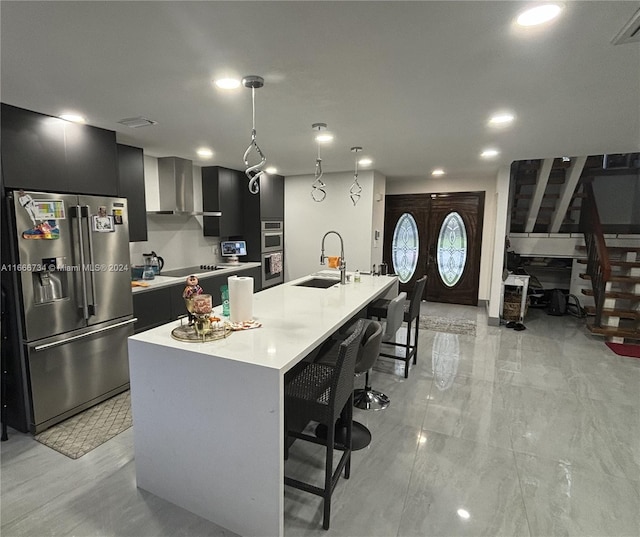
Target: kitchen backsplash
{"x": 178, "y": 240}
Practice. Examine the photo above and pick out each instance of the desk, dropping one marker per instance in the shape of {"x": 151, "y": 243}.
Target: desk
{"x": 516, "y": 280}
{"x": 208, "y": 418}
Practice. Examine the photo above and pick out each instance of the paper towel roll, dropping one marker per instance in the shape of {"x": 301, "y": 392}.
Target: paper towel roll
{"x": 240, "y": 298}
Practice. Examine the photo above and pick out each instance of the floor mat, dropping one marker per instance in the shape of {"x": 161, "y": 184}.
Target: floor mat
{"x": 86, "y": 431}
{"x": 450, "y": 325}
{"x": 624, "y": 349}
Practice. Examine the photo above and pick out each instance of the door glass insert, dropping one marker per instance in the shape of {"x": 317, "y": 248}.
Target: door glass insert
{"x": 452, "y": 249}
{"x": 404, "y": 247}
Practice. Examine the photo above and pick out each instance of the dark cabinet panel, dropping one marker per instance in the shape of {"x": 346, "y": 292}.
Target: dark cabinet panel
{"x": 131, "y": 186}
{"x": 41, "y": 152}
{"x": 152, "y": 308}
{"x": 222, "y": 191}
{"x": 272, "y": 197}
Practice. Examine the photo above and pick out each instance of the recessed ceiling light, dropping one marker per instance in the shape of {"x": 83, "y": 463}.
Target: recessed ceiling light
{"x": 204, "y": 152}
{"x": 271, "y": 169}
{"x": 70, "y": 116}
{"x": 227, "y": 83}
{"x": 501, "y": 119}
{"x": 539, "y": 15}
{"x": 324, "y": 137}
{"x": 365, "y": 161}
{"x": 489, "y": 153}
{"x": 463, "y": 514}
{"x": 437, "y": 171}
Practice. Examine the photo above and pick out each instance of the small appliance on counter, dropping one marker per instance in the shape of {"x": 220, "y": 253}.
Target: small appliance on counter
{"x": 154, "y": 262}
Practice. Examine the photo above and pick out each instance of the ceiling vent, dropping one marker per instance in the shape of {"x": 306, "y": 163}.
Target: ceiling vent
{"x": 136, "y": 122}
{"x": 630, "y": 32}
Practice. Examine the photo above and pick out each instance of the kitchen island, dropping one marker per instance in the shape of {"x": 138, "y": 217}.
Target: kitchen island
{"x": 208, "y": 418}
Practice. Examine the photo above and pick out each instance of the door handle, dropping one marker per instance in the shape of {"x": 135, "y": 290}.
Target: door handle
{"x": 76, "y": 213}
{"x": 81, "y": 336}
{"x": 92, "y": 308}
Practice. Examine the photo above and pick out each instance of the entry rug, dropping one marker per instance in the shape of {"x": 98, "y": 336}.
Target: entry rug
{"x": 624, "y": 349}
{"x": 86, "y": 431}
{"x": 449, "y": 325}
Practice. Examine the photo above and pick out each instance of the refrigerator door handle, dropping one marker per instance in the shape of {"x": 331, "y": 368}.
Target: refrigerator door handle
{"x": 76, "y": 212}
{"x": 92, "y": 308}
{"x": 81, "y": 336}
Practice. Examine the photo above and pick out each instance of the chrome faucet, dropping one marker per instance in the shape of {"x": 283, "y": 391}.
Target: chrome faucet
{"x": 343, "y": 265}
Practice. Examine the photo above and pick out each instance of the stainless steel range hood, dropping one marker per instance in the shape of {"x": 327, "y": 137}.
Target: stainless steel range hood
{"x": 175, "y": 177}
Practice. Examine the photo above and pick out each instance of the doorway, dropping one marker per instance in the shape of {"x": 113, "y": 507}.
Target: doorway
{"x": 439, "y": 235}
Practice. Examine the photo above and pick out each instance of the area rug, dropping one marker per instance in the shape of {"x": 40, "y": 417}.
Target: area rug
{"x": 86, "y": 431}
{"x": 449, "y": 325}
{"x": 624, "y": 349}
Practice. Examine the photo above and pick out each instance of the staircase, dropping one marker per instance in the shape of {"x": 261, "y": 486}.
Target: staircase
{"x": 548, "y": 194}
{"x": 614, "y": 273}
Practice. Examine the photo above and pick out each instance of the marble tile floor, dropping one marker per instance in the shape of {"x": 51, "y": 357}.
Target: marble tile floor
{"x": 533, "y": 433}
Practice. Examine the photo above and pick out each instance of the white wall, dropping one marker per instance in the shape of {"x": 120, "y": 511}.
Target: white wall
{"x": 306, "y": 221}
{"x": 177, "y": 239}
{"x": 616, "y": 197}
{"x": 461, "y": 184}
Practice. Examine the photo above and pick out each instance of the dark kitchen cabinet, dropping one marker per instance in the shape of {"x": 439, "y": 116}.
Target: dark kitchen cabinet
{"x": 152, "y": 308}
{"x": 222, "y": 191}
{"x": 131, "y": 186}
{"x": 41, "y": 152}
{"x": 272, "y": 197}
{"x": 268, "y": 204}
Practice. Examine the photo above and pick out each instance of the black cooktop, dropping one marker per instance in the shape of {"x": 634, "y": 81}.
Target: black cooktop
{"x": 184, "y": 272}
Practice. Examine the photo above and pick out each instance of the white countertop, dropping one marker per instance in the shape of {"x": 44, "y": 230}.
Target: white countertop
{"x": 294, "y": 321}
{"x": 164, "y": 281}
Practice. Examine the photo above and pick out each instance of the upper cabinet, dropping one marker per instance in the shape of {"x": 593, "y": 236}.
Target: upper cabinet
{"x": 272, "y": 197}
{"x": 46, "y": 153}
{"x": 131, "y": 186}
{"x": 222, "y": 191}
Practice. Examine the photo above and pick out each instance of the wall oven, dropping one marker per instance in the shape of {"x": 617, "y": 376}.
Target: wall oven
{"x": 272, "y": 269}
{"x": 272, "y": 236}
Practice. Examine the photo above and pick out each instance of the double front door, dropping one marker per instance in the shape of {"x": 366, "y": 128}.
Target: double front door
{"x": 438, "y": 235}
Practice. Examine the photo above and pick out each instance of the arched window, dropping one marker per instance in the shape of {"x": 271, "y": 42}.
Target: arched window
{"x": 404, "y": 247}
{"x": 452, "y": 249}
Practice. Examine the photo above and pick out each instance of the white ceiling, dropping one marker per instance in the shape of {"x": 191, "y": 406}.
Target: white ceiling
{"x": 412, "y": 82}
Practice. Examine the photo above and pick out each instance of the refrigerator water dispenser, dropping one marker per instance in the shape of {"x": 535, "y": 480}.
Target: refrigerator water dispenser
{"x": 50, "y": 285}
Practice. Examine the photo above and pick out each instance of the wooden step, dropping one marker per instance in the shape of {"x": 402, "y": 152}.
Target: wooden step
{"x": 623, "y": 314}
{"x": 617, "y": 278}
{"x": 614, "y": 263}
{"x": 612, "y": 331}
{"x": 613, "y": 294}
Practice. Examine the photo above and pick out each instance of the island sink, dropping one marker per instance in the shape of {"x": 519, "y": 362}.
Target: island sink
{"x": 319, "y": 283}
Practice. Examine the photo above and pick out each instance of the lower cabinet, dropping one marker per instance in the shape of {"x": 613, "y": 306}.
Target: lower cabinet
{"x": 159, "y": 306}
{"x": 152, "y": 308}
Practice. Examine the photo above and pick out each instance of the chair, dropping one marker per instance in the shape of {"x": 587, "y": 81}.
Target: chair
{"x": 378, "y": 310}
{"x": 368, "y": 398}
{"x": 367, "y": 354}
{"x": 322, "y": 392}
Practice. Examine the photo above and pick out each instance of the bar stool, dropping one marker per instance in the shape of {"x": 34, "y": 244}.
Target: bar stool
{"x": 378, "y": 310}
{"x": 321, "y": 392}
{"x": 368, "y": 398}
{"x": 367, "y": 354}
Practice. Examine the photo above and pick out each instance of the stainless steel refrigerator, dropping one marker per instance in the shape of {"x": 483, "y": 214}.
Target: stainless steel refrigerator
{"x": 71, "y": 287}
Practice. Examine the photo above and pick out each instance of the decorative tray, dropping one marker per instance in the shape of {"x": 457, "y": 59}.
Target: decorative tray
{"x": 189, "y": 334}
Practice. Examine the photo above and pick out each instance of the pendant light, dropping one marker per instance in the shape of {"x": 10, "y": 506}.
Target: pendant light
{"x": 356, "y": 189}
{"x": 317, "y": 187}
{"x": 254, "y": 172}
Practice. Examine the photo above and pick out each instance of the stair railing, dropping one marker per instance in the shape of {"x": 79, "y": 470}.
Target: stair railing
{"x": 598, "y": 266}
